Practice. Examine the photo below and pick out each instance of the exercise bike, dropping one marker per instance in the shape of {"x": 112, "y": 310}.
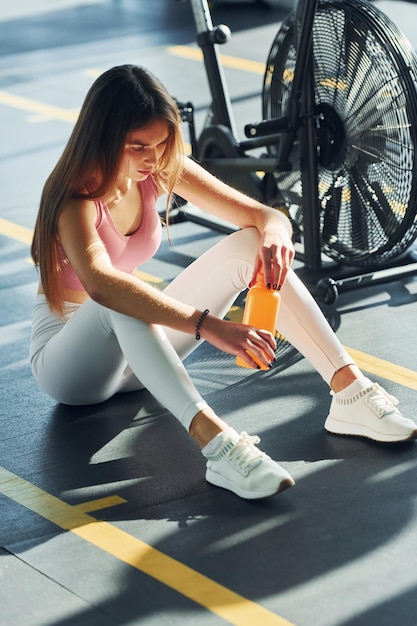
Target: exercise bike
{"x": 338, "y": 140}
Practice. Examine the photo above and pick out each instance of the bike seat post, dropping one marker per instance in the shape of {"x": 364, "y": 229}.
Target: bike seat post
{"x": 207, "y": 38}
{"x": 202, "y": 15}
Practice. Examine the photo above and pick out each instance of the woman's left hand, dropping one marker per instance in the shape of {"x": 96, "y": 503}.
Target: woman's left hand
{"x": 276, "y": 253}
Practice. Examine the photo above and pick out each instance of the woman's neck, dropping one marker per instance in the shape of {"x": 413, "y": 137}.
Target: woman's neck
{"x": 121, "y": 189}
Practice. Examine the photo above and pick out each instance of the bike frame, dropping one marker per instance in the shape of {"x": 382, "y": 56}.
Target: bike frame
{"x": 300, "y": 121}
{"x": 299, "y": 118}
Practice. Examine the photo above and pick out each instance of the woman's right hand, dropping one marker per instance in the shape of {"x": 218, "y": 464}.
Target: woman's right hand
{"x": 239, "y": 340}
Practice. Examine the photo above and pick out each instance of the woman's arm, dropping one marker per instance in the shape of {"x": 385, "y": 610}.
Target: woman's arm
{"x": 107, "y": 285}
{"x": 131, "y": 296}
{"x": 213, "y": 196}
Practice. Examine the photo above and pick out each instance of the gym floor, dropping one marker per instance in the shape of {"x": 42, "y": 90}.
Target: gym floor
{"x": 105, "y": 515}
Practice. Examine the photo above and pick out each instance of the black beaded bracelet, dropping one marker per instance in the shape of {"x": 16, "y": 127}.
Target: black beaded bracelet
{"x": 200, "y": 323}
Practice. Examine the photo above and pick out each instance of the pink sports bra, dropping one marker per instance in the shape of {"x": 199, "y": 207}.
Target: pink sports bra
{"x": 126, "y": 252}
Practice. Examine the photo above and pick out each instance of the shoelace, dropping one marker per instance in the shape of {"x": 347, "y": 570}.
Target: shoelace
{"x": 381, "y": 401}
{"x": 244, "y": 455}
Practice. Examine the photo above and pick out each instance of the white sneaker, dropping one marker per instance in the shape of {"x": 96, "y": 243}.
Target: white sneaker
{"x": 240, "y": 467}
{"x": 370, "y": 413}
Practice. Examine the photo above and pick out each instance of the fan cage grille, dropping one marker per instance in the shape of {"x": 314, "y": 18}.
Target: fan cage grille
{"x": 364, "y": 72}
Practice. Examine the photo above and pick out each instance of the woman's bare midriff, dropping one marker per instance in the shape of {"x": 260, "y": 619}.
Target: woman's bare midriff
{"x": 70, "y": 295}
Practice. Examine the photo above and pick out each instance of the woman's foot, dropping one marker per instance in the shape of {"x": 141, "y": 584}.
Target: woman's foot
{"x": 235, "y": 463}
{"x": 370, "y": 412}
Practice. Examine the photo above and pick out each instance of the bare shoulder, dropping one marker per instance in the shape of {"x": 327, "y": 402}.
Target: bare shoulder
{"x": 76, "y": 209}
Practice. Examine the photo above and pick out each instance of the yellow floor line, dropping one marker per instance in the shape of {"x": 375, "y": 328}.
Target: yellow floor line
{"x": 14, "y": 231}
{"x": 217, "y": 599}
{"x": 236, "y": 63}
{"x": 99, "y": 504}
{"x": 46, "y": 111}
{"x": 385, "y": 369}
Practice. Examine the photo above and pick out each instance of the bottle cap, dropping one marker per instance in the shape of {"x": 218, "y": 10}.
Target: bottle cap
{"x": 259, "y": 280}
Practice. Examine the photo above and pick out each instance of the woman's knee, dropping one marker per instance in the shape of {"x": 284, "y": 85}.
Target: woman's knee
{"x": 246, "y": 240}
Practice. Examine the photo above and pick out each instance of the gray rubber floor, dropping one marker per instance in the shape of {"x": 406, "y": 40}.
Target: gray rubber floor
{"x": 105, "y": 515}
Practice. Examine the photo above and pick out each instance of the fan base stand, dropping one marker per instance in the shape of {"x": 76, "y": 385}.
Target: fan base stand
{"x": 332, "y": 278}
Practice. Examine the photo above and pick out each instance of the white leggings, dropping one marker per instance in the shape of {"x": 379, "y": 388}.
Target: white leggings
{"x": 96, "y": 352}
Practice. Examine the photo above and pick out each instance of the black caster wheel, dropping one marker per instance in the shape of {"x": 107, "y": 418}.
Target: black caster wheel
{"x": 326, "y": 291}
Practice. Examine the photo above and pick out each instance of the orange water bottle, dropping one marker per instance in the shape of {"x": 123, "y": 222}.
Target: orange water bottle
{"x": 261, "y": 311}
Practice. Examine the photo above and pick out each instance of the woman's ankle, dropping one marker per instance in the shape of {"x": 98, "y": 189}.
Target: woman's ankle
{"x": 205, "y": 426}
{"x": 345, "y": 377}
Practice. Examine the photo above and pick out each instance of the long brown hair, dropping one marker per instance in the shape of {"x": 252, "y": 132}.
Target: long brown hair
{"x": 123, "y": 99}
